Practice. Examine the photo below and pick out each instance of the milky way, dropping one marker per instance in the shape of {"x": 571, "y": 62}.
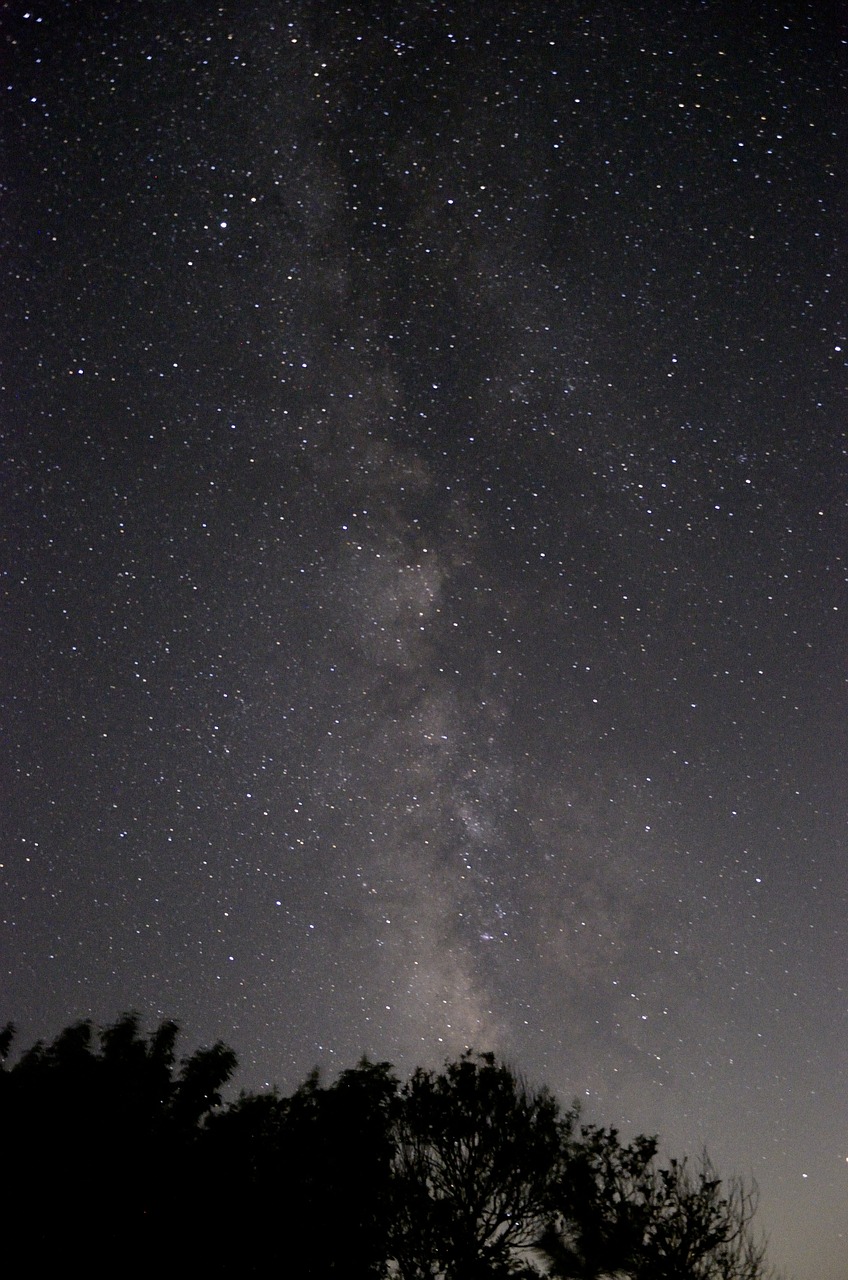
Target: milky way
{"x": 424, "y": 511}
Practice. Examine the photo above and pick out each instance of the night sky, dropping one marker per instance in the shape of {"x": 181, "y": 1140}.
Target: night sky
{"x": 424, "y": 529}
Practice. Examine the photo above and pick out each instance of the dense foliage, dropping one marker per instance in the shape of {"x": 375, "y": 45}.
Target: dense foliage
{"x": 117, "y": 1155}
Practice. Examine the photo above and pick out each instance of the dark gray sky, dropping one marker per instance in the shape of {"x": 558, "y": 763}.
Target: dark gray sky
{"x": 424, "y": 512}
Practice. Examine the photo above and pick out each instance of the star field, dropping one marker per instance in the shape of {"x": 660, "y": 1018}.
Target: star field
{"x": 424, "y": 512}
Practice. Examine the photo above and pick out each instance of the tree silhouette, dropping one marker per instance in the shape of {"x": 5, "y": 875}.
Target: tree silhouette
{"x": 99, "y": 1129}
{"x": 456, "y": 1175}
{"x": 315, "y": 1167}
{"x": 476, "y": 1161}
{"x": 701, "y": 1227}
{"x": 359, "y": 1115}
{"x": 621, "y": 1214}
{"x": 603, "y": 1206}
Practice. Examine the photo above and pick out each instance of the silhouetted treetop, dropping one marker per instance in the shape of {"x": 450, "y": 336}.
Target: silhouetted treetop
{"x": 457, "y": 1174}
